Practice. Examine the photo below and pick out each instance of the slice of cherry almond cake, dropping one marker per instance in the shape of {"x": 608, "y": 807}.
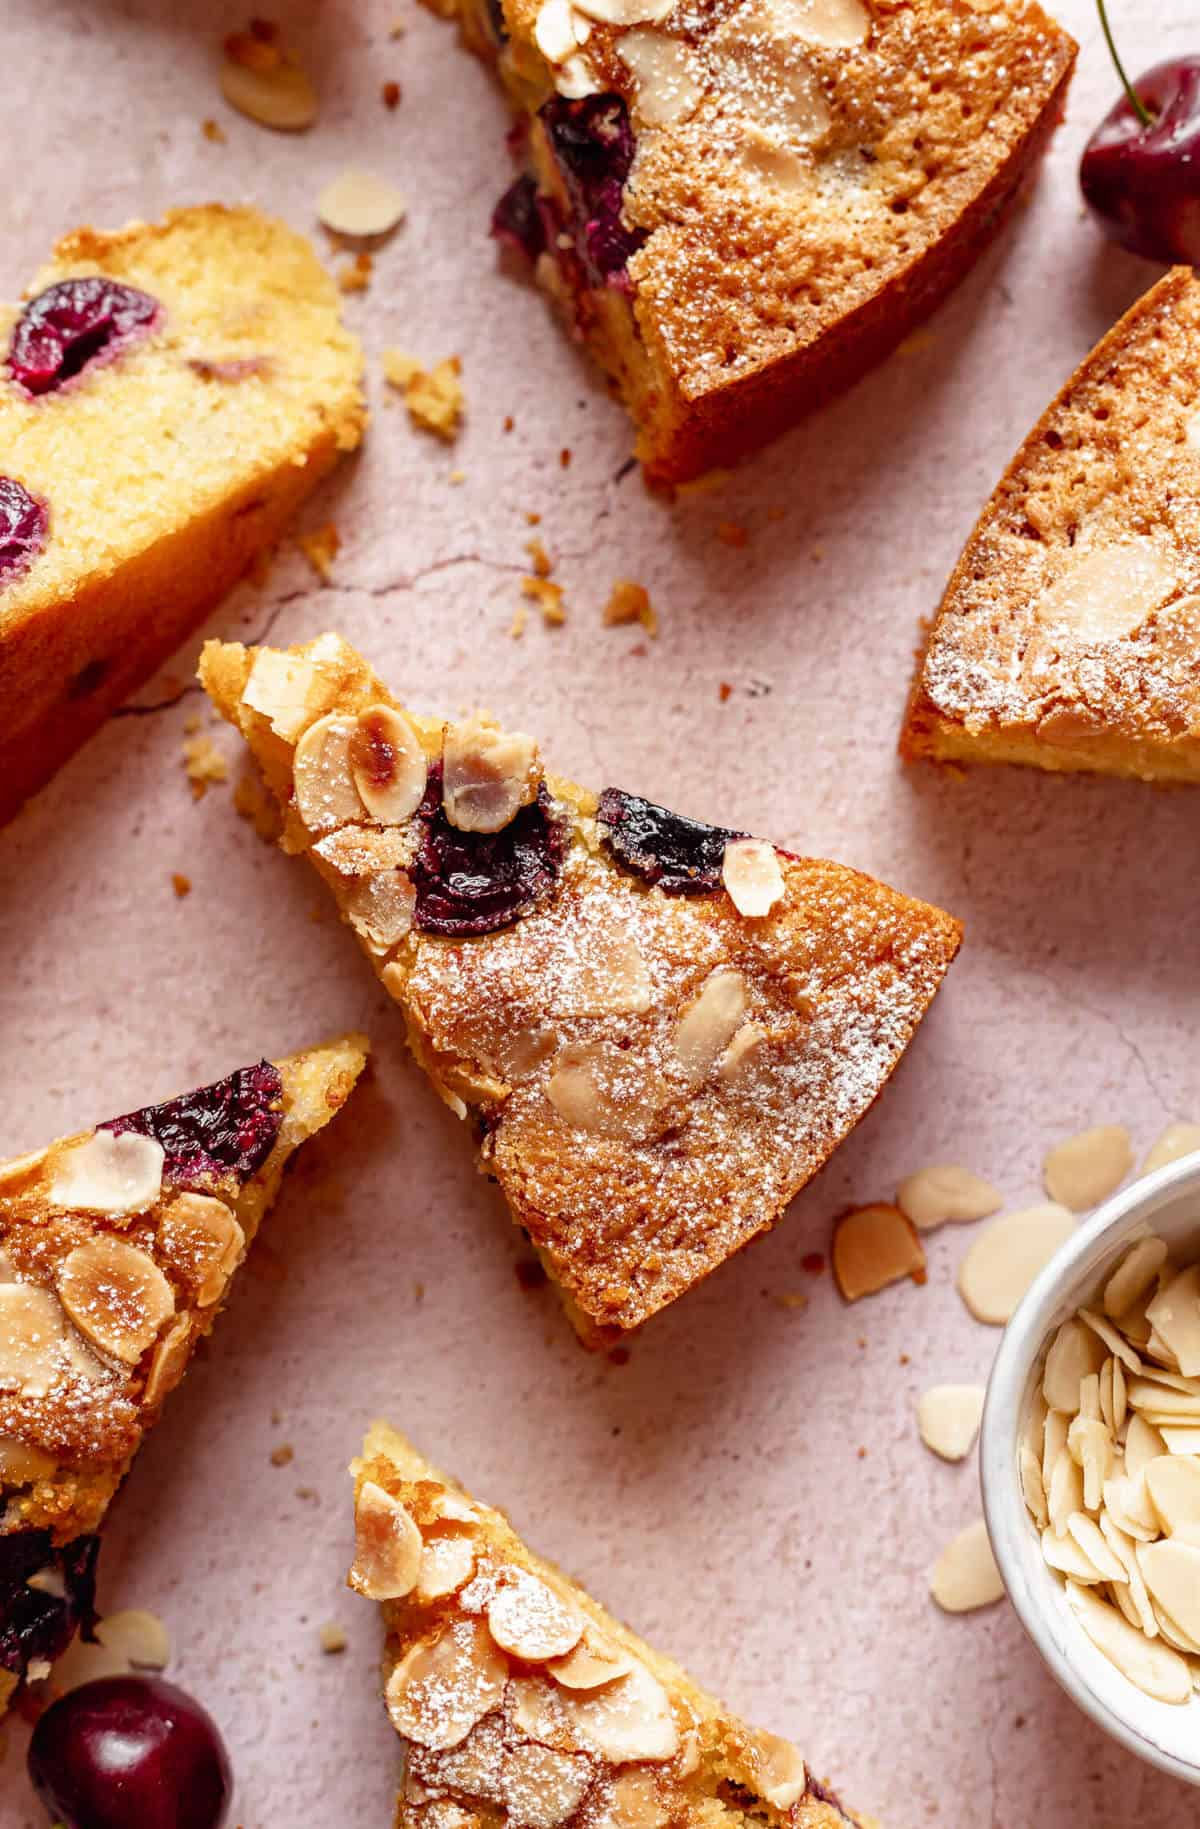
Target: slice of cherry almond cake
{"x": 117, "y": 1248}
{"x": 1069, "y": 634}
{"x": 741, "y": 205}
{"x": 520, "y": 1701}
{"x": 661, "y": 1028}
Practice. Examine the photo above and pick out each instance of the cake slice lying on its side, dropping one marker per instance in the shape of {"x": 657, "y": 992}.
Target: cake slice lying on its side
{"x": 169, "y": 394}
{"x": 660, "y": 1028}
{"x": 1069, "y": 635}
{"x": 520, "y": 1700}
{"x": 742, "y": 207}
{"x": 116, "y": 1251}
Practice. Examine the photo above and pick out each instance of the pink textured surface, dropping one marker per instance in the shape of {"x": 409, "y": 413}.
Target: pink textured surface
{"x": 712, "y": 1489}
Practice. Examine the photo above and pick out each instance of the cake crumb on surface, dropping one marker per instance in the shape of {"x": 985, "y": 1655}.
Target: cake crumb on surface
{"x": 213, "y": 130}
{"x": 630, "y": 602}
{"x": 549, "y": 599}
{"x": 320, "y": 547}
{"x": 333, "y": 1638}
{"x": 203, "y": 764}
{"x": 390, "y": 94}
{"x": 283, "y": 1455}
{"x": 434, "y": 397}
{"x": 182, "y": 885}
{"x": 516, "y": 627}
{"x": 355, "y": 276}
{"x": 539, "y": 558}
{"x": 253, "y": 803}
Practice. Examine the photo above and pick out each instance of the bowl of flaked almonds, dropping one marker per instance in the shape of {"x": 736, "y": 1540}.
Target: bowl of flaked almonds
{"x": 1090, "y": 1459}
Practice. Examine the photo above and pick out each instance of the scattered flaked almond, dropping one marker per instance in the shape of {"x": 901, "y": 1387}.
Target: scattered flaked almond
{"x": 358, "y": 203}
{"x": 1084, "y": 1170}
{"x": 872, "y": 1247}
{"x": 137, "y": 1636}
{"x": 1007, "y": 1256}
{"x": 948, "y": 1418}
{"x": 945, "y": 1192}
{"x": 267, "y": 84}
{"x": 752, "y": 877}
{"x": 965, "y": 1575}
{"x": 1175, "y": 1142}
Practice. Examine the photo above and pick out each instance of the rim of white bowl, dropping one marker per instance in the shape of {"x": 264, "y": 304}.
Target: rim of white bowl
{"x": 1003, "y": 1501}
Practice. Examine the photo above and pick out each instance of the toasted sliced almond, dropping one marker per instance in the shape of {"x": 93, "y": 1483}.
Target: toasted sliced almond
{"x": 594, "y": 1660}
{"x": 116, "y": 1295}
{"x": 203, "y": 1241}
{"x": 872, "y": 1247}
{"x": 489, "y": 774}
{"x": 542, "y": 1788}
{"x": 628, "y": 1719}
{"x": 1152, "y": 1667}
{"x": 388, "y": 764}
{"x": 1171, "y": 1571}
{"x": 1086, "y": 1169}
{"x": 837, "y": 23}
{"x": 603, "y": 1088}
{"x": 366, "y": 851}
{"x": 529, "y": 1620}
{"x": 752, "y": 876}
{"x": 1173, "y": 1485}
{"x": 1177, "y": 1141}
{"x": 380, "y": 909}
{"x": 1074, "y": 1352}
{"x": 110, "y": 1172}
{"x": 708, "y": 1025}
{"x": 626, "y": 12}
{"x": 290, "y": 690}
{"x": 388, "y": 1545}
{"x": 139, "y": 1637}
{"x": 782, "y": 1777}
{"x": 356, "y": 202}
{"x": 324, "y": 784}
{"x": 1090, "y": 1538}
{"x": 167, "y": 1362}
{"x": 1007, "y": 1256}
{"x": 32, "y": 1332}
{"x": 282, "y": 97}
{"x": 948, "y": 1418}
{"x": 554, "y": 31}
{"x": 1107, "y": 593}
{"x": 668, "y": 84}
{"x": 1133, "y": 1276}
{"x": 944, "y": 1192}
{"x": 965, "y": 1575}
{"x": 635, "y": 1800}
{"x": 21, "y": 1464}
{"x": 442, "y": 1687}
{"x": 447, "y": 1565}
{"x": 1174, "y": 1315}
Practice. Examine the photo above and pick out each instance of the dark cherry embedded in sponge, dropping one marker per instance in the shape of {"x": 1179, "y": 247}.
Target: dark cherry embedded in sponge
{"x": 33, "y": 1623}
{"x": 72, "y": 323}
{"x": 476, "y": 882}
{"x": 23, "y": 523}
{"x": 682, "y": 856}
{"x": 130, "y": 1753}
{"x": 230, "y": 1126}
{"x": 593, "y": 145}
{"x": 518, "y": 220}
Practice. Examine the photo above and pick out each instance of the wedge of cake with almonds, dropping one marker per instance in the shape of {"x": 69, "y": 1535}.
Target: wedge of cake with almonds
{"x": 519, "y": 1700}
{"x": 1069, "y": 635}
{"x": 660, "y": 1028}
{"x": 117, "y": 1248}
{"x": 741, "y": 206}
{"x": 169, "y": 394}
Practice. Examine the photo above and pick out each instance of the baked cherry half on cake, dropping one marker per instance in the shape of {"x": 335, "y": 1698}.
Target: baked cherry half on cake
{"x": 740, "y": 207}
{"x": 660, "y": 1028}
{"x": 1069, "y": 634}
{"x": 519, "y": 1700}
{"x": 117, "y": 1248}
{"x": 169, "y": 394}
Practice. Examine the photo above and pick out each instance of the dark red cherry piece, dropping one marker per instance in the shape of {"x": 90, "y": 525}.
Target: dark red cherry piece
{"x": 70, "y": 324}
{"x": 23, "y": 523}
{"x": 227, "y": 1128}
{"x": 130, "y": 1753}
{"x": 1141, "y": 179}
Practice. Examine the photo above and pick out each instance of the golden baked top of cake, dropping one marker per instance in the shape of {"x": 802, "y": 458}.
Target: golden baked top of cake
{"x": 794, "y": 158}
{"x": 1073, "y": 616}
{"x": 520, "y": 1699}
{"x": 149, "y": 372}
{"x": 661, "y": 1028}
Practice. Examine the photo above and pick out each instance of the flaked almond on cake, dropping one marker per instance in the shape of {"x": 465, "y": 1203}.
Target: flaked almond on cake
{"x": 117, "y": 1248}
{"x": 169, "y": 394}
{"x": 659, "y": 1028}
{"x": 1069, "y": 635}
{"x": 741, "y": 205}
{"x": 520, "y": 1700}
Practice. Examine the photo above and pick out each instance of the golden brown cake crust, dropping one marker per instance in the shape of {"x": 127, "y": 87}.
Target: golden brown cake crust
{"x": 512, "y": 1688}
{"x": 653, "y": 1075}
{"x": 817, "y": 202}
{"x": 1069, "y": 634}
{"x": 146, "y": 535}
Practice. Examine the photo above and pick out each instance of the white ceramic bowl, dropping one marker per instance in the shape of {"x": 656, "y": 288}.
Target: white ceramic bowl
{"x": 1167, "y": 1203}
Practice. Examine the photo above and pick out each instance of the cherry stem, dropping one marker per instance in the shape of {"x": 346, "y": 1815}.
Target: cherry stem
{"x": 1135, "y": 101}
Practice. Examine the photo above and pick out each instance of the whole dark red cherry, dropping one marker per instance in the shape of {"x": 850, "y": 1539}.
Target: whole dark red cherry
{"x": 1140, "y": 171}
{"x": 130, "y": 1753}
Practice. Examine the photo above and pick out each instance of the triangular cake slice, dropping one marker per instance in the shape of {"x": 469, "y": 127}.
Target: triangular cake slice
{"x": 1069, "y": 635}
{"x": 116, "y": 1251}
{"x": 519, "y": 1700}
{"x": 660, "y": 1028}
{"x": 740, "y": 208}
{"x": 171, "y": 393}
